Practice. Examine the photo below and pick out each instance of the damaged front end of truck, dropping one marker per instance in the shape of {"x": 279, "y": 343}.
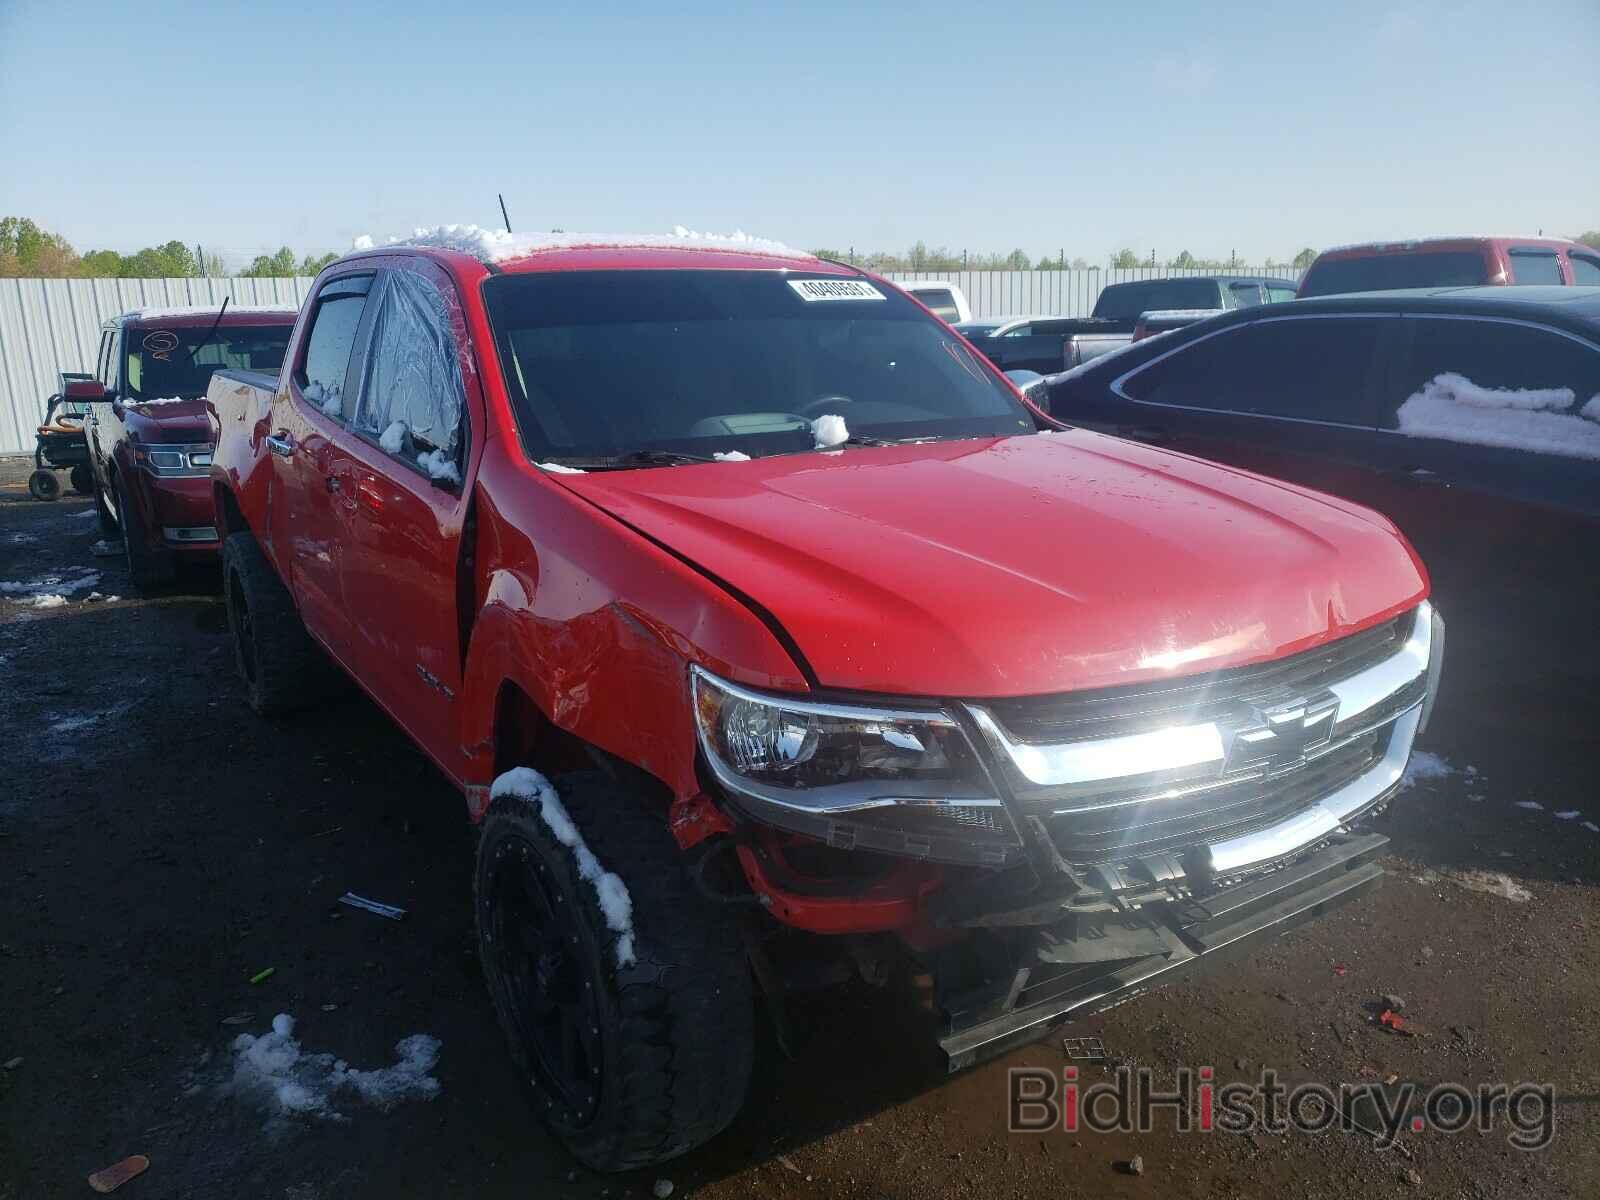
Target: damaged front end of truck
{"x": 1052, "y": 856}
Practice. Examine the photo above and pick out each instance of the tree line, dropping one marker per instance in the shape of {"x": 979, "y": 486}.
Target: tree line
{"x": 29, "y": 252}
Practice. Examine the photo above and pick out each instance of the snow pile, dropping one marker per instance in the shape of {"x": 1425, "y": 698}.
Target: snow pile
{"x": 1492, "y": 882}
{"x": 527, "y": 784}
{"x": 327, "y": 397}
{"x": 437, "y": 464}
{"x": 1571, "y": 814}
{"x": 830, "y": 431}
{"x": 1424, "y": 765}
{"x": 50, "y": 591}
{"x": 730, "y": 456}
{"x": 273, "y": 1072}
{"x": 497, "y": 245}
{"x": 22, "y": 539}
{"x": 393, "y": 438}
{"x": 363, "y": 242}
{"x": 556, "y": 468}
{"x": 1591, "y": 410}
{"x": 106, "y": 549}
{"x": 1453, "y": 408}
{"x": 161, "y": 400}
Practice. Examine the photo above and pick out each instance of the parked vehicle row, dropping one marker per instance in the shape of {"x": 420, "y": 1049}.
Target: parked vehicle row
{"x": 1052, "y": 344}
{"x": 761, "y": 622}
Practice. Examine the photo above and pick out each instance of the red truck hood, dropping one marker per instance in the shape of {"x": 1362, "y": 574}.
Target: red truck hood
{"x": 171, "y": 421}
{"x": 1023, "y": 565}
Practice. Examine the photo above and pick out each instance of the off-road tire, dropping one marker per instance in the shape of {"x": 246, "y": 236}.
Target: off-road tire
{"x": 677, "y": 1026}
{"x": 82, "y": 479}
{"x": 151, "y": 570}
{"x": 43, "y": 485}
{"x": 281, "y": 667}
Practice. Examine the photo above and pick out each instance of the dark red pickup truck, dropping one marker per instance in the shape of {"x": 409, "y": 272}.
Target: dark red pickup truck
{"x": 149, "y": 428}
{"x": 744, "y": 601}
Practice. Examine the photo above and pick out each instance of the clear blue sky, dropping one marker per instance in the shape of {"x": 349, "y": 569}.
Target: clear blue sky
{"x": 1162, "y": 124}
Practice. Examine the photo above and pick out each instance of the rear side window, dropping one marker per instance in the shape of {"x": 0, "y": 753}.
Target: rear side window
{"x": 1386, "y": 272}
{"x": 1497, "y": 383}
{"x": 1279, "y": 292}
{"x": 326, "y": 360}
{"x": 1125, "y": 301}
{"x": 940, "y": 302}
{"x": 411, "y": 396}
{"x": 1312, "y": 369}
{"x": 1535, "y": 266}
{"x": 1245, "y": 294}
{"x": 1585, "y": 270}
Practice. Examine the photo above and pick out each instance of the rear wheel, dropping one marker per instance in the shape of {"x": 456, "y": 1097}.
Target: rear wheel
{"x": 150, "y": 568}
{"x": 630, "y": 1059}
{"x": 82, "y": 479}
{"x": 281, "y": 666}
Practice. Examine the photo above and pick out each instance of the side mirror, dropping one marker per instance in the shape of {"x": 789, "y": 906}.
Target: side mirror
{"x": 1032, "y": 385}
{"x": 86, "y": 391}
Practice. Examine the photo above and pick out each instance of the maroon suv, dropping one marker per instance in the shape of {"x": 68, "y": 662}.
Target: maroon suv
{"x": 150, "y": 429}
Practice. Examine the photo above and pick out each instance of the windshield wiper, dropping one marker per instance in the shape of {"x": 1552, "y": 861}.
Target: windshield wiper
{"x": 634, "y": 458}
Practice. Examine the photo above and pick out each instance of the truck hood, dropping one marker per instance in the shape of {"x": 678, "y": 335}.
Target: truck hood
{"x": 170, "y": 421}
{"x": 1022, "y": 565}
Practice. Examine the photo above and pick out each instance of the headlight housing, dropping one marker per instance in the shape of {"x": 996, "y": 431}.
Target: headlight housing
{"x": 173, "y": 460}
{"x": 900, "y": 781}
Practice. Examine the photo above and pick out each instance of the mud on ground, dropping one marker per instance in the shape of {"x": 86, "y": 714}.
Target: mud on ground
{"x": 160, "y": 846}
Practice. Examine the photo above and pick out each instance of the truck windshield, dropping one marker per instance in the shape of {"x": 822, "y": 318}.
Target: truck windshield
{"x": 1125, "y": 301}
{"x": 602, "y": 365}
{"x": 159, "y": 363}
{"x": 1386, "y": 272}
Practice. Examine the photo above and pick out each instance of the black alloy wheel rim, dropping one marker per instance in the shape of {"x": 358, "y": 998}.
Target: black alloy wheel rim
{"x": 537, "y": 965}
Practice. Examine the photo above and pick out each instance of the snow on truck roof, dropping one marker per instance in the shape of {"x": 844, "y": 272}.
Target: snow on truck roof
{"x": 497, "y": 245}
{"x": 181, "y": 311}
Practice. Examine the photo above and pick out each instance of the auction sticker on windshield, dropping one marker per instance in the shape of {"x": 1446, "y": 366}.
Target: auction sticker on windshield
{"x": 834, "y": 289}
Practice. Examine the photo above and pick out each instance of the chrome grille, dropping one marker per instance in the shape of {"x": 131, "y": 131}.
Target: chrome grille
{"x": 1296, "y": 745}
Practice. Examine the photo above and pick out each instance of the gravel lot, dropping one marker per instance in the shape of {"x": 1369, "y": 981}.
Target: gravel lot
{"x": 160, "y": 846}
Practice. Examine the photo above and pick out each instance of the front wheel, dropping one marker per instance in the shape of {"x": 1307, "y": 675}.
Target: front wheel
{"x": 622, "y": 991}
{"x": 150, "y": 568}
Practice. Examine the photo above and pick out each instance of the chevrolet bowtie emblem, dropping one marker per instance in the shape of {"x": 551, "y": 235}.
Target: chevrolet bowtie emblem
{"x": 1280, "y": 736}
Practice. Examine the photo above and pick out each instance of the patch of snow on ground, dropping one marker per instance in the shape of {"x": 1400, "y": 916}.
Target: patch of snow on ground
{"x": 829, "y": 430}
{"x": 47, "y": 600}
{"x": 1425, "y": 765}
{"x": 1453, "y": 408}
{"x": 438, "y": 466}
{"x": 106, "y": 549}
{"x": 22, "y": 539}
{"x": 1492, "y": 882}
{"x": 730, "y": 456}
{"x": 50, "y": 591}
{"x": 556, "y": 468}
{"x": 527, "y": 784}
{"x": 1591, "y": 827}
{"x": 1591, "y": 410}
{"x": 496, "y": 245}
{"x": 1533, "y": 804}
{"x": 1571, "y": 814}
{"x": 393, "y": 438}
{"x": 273, "y": 1072}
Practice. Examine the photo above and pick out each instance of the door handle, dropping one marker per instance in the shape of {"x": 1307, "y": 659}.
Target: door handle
{"x": 280, "y": 444}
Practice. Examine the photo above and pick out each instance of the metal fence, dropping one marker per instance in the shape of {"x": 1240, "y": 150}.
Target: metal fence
{"x": 53, "y": 325}
{"x": 1070, "y": 293}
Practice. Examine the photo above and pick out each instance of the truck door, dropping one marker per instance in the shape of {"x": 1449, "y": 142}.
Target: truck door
{"x": 312, "y": 475}
{"x": 410, "y": 432}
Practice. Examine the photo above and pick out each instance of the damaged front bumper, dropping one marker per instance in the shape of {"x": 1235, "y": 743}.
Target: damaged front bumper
{"x": 1007, "y": 987}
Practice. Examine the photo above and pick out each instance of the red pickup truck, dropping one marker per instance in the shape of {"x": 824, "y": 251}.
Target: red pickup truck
{"x": 149, "y": 428}
{"x": 744, "y": 601}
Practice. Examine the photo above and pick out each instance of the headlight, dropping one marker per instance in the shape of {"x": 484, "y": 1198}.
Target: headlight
{"x": 899, "y": 781}
{"x": 167, "y": 460}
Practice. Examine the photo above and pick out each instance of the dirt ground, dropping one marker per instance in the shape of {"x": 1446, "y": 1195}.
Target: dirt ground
{"x": 160, "y": 846}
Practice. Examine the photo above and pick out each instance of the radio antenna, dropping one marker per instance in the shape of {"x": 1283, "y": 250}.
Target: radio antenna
{"x": 503, "y": 216}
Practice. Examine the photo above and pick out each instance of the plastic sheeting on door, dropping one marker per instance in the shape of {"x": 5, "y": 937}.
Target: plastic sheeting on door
{"x": 413, "y": 374}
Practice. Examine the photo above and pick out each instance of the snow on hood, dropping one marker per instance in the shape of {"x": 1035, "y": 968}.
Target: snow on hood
{"x": 1023, "y": 565}
{"x": 497, "y": 245}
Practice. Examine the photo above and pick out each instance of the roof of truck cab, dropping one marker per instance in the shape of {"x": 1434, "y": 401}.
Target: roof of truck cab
{"x": 1547, "y": 303}
{"x": 183, "y": 317}
{"x": 1465, "y": 241}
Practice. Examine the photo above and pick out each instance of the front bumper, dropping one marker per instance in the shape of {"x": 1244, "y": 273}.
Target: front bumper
{"x": 1029, "y": 984}
{"x": 182, "y": 516}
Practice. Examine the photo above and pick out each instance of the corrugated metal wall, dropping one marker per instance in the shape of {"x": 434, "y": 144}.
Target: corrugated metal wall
{"x": 51, "y": 325}
{"x": 1060, "y": 293}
